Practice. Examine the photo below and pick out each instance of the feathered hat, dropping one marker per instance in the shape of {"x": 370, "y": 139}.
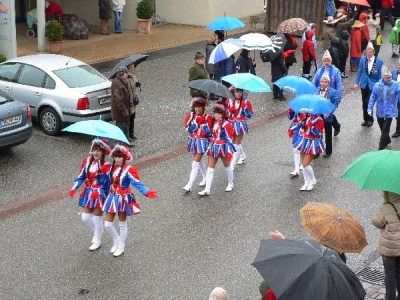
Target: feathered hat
{"x": 219, "y": 108}
{"x": 103, "y": 143}
{"x": 326, "y": 55}
{"x": 199, "y": 100}
{"x": 123, "y": 148}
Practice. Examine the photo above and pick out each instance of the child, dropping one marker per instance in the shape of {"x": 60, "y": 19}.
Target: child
{"x": 344, "y": 52}
{"x": 308, "y": 54}
{"x": 394, "y": 39}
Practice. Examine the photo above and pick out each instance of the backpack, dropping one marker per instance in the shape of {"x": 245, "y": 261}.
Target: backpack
{"x": 265, "y": 57}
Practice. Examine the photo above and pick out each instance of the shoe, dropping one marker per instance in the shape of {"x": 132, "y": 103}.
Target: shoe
{"x": 95, "y": 246}
{"x": 119, "y": 251}
{"x": 133, "y": 138}
{"x": 275, "y": 98}
{"x": 240, "y": 161}
{"x": 204, "y": 193}
{"x": 396, "y": 134}
{"x": 344, "y": 75}
{"x": 326, "y": 154}
{"x": 229, "y": 188}
{"x": 186, "y": 188}
{"x": 282, "y": 98}
{"x": 316, "y": 155}
{"x": 294, "y": 174}
{"x": 370, "y": 123}
{"x": 395, "y": 55}
{"x": 203, "y": 182}
{"x": 311, "y": 185}
{"x": 336, "y": 131}
{"x": 364, "y": 123}
{"x": 304, "y": 187}
{"x": 114, "y": 247}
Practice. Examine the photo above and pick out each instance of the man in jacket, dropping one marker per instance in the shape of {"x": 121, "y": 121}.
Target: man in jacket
{"x": 120, "y": 101}
{"x": 387, "y": 6}
{"x": 386, "y": 95}
{"x": 198, "y": 71}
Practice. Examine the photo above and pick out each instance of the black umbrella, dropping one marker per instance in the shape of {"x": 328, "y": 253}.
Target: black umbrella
{"x": 210, "y": 86}
{"x": 306, "y": 269}
{"x": 133, "y": 59}
{"x": 75, "y": 27}
{"x": 278, "y": 41}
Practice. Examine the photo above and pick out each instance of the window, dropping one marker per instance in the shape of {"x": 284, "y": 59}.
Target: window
{"x": 80, "y": 76}
{"x": 8, "y": 71}
{"x": 49, "y": 83}
{"x": 31, "y": 76}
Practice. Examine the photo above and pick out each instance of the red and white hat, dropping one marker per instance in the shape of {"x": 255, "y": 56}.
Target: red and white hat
{"x": 103, "y": 143}
{"x": 199, "y": 101}
{"x": 219, "y": 108}
{"x": 122, "y": 148}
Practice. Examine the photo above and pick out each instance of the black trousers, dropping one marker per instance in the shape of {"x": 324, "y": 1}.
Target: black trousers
{"x": 342, "y": 64}
{"x": 398, "y": 120}
{"x": 277, "y": 92}
{"x": 392, "y": 277}
{"x": 365, "y": 95}
{"x": 386, "y": 12}
{"x": 335, "y": 123}
{"x": 328, "y": 137}
{"x": 132, "y": 125}
{"x": 384, "y": 125}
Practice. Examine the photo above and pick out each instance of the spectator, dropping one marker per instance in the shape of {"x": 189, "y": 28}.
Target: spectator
{"x": 53, "y": 11}
{"x": 387, "y": 6}
{"x": 246, "y": 64}
{"x": 212, "y": 69}
{"x": 266, "y": 292}
{"x": 197, "y": 71}
{"x": 388, "y": 221}
{"x": 221, "y": 35}
{"x": 396, "y": 77}
{"x": 364, "y": 31}
{"x": 118, "y": 7}
{"x": 309, "y": 55}
{"x": 278, "y": 70}
{"x": 334, "y": 50}
{"x": 218, "y": 294}
{"x": 104, "y": 15}
{"x": 394, "y": 39}
{"x": 311, "y": 26}
{"x": 289, "y": 51}
{"x": 226, "y": 67}
{"x": 133, "y": 85}
{"x": 344, "y": 53}
{"x": 328, "y": 31}
{"x": 330, "y": 8}
{"x": 343, "y": 23}
{"x": 372, "y": 27}
{"x": 355, "y": 45}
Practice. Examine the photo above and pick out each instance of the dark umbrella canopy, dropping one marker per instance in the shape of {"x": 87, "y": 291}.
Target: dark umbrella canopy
{"x": 75, "y": 27}
{"x": 278, "y": 41}
{"x": 306, "y": 269}
{"x": 210, "y": 86}
{"x": 133, "y": 59}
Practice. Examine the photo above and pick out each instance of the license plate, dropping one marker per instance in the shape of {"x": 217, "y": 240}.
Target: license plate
{"x": 104, "y": 100}
{"x": 10, "y": 120}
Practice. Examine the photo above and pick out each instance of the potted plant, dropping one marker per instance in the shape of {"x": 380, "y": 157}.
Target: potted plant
{"x": 144, "y": 12}
{"x": 54, "y": 34}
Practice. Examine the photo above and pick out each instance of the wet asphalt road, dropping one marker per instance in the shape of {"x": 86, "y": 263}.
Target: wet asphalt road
{"x": 180, "y": 246}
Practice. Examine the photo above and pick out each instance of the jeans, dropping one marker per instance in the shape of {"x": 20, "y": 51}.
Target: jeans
{"x": 384, "y": 125}
{"x": 118, "y": 21}
{"x": 392, "y": 277}
{"x": 124, "y": 126}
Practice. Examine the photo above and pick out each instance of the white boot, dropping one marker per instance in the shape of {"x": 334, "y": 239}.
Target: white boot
{"x": 98, "y": 233}
{"x": 193, "y": 175}
{"x": 296, "y": 159}
{"x": 306, "y": 181}
{"x": 229, "y": 172}
{"x": 120, "y": 250}
{"x": 235, "y": 156}
{"x": 123, "y": 232}
{"x": 209, "y": 180}
{"x": 242, "y": 155}
{"x": 310, "y": 172}
{"x": 114, "y": 235}
{"x": 203, "y": 172}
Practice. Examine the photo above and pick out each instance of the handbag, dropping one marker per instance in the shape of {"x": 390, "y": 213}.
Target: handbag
{"x": 395, "y": 209}
{"x": 136, "y": 100}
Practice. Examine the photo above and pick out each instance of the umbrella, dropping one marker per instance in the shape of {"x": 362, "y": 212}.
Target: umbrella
{"x": 376, "y": 170}
{"x": 248, "y": 82}
{"x": 306, "y": 269}
{"x": 256, "y": 41}
{"x": 296, "y": 85}
{"x": 333, "y": 227}
{"x": 225, "y": 23}
{"x": 224, "y": 50}
{"x": 359, "y": 2}
{"x": 311, "y": 104}
{"x": 133, "y": 59}
{"x": 278, "y": 43}
{"x": 209, "y": 86}
{"x": 292, "y": 25}
{"x": 75, "y": 27}
{"x": 98, "y": 128}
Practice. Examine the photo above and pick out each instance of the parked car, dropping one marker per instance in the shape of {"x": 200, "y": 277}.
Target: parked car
{"x": 59, "y": 89}
{"x": 15, "y": 121}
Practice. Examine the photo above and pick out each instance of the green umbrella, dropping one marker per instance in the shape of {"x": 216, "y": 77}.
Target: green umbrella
{"x": 376, "y": 170}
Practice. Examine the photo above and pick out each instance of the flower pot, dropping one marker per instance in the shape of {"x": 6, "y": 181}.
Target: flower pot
{"x": 143, "y": 25}
{"x": 55, "y": 47}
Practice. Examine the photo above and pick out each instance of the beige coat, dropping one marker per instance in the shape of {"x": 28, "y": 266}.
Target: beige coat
{"x": 372, "y": 25}
{"x": 387, "y": 221}
{"x": 131, "y": 82}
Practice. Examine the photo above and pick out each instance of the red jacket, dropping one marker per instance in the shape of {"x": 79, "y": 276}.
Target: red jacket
{"x": 387, "y": 3}
{"x": 355, "y": 46}
{"x": 308, "y": 47}
{"x": 53, "y": 8}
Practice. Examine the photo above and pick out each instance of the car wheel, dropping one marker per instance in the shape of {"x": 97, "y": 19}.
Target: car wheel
{"x": 50, "y": 121}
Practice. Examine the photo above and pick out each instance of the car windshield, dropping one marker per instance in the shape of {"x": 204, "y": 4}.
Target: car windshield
{"x": 80, "y": 76}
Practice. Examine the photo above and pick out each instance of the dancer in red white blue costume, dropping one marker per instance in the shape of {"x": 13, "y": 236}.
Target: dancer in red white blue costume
{"x": 221, "y": 133}
{"x": 96, "y": 188}
{"x": 121, "y": 200}
{"x": 239, "y": 109}
{"x": 310, "y": 144}
{"x": 198, "y": 140}
{"x": 293, "y": 133}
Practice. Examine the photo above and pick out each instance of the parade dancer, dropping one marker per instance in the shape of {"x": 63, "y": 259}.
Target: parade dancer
{"x": 239, "y": 110}
{"x": 221, "y": 132}
{"x": 96, "y": 188}
{"x": 310, "y": 144}
{"x": 293, "y": 133}
{"x": 197, "y": 141}
{"x": 121, "y": 199}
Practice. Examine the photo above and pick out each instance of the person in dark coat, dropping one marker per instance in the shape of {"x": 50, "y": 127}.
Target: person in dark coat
{"x": 278, "y": 70}
{"x": 344, "y": 52}
{"x": 334, "y": 50}
{"x": 104, "y": 15}
{"x": 227, "y": 66}
{"x": 245, "y": 64}
{"x": 289, "y": 50}
{"x": 212, "y": 69}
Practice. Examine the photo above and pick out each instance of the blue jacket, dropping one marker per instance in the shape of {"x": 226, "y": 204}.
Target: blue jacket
{"x": 334, "y": 75}
{"x": 226, "y": 67}
{"x": 386, "y": 97}
{"x": 330, "y": 9}
{"x": 394, "y": 74}
{"x": 333, "y": 96}
{"x": 363, "y": 79}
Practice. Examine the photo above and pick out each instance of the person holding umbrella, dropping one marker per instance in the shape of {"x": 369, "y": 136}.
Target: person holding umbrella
{"x": 121, "y": 200}
{"x": 197, "y": 141}
{"x": 92, "y": 198}
{"x": 221, "y": 134}
{"x": 133, "y": 85}
{"x": 197, "y": 71}
{"x": 278, "y": 70}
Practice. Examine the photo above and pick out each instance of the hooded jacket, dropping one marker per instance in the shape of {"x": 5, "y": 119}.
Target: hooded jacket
{"x": 386, "y": 97}
{"x": 394, "y": 33}
{"x": 334, "y": 50}
{"x": 364, "y": 29}
{"x": 308, "y": 50}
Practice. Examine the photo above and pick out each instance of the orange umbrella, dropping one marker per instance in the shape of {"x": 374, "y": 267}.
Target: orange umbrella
{"x": 333, "y": 227}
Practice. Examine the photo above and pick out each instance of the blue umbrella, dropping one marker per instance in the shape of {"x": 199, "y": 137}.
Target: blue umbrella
{"x": 248, "y": 82}
{"x": 225, "y": 23}
{"x": 98, "y": 128}
{"x": 225, "y": 50}
{"x": 296, "y": 85}
{"x": 311, "y": 104}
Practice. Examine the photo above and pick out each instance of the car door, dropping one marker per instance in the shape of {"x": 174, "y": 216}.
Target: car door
{"x": 29, "y": 86}
{"x": 8, "y": 74}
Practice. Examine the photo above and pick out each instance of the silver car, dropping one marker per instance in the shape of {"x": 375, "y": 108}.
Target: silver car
{"x": 15, "y": 122}
{"x": 59, "y": 89}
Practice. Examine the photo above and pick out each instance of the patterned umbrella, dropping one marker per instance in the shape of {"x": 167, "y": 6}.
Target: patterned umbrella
{"x": 292, "y": 25}
{"x": 75, "y": 27}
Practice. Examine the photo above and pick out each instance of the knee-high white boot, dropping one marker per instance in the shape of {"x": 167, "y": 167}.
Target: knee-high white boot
{"x": 123, "y": 232}
{"x": 114, "y": 235}
{"x": 203, "y": 172}
{"x": 310, "y": 172}
{"x": 229, "y": 172}
{"x": 209, "y": 180}
{"x": 306, "y": 180}
{"x": 193, "y": 175}
{"x": 98, "y": 233}
{"x": 296, "y": 159}
{"x": 235, "y": 156}
{"x": 242, "y": 155}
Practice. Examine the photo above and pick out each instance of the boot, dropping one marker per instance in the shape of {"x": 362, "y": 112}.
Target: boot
{"x": 209, "y": 180}
{"x": 353, "y": 67}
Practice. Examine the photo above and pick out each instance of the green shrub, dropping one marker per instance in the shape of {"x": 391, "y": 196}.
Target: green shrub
{"x": 144, "y": 9}
{"x": 54, "y": 31}
{"x": 3, "y": 58}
